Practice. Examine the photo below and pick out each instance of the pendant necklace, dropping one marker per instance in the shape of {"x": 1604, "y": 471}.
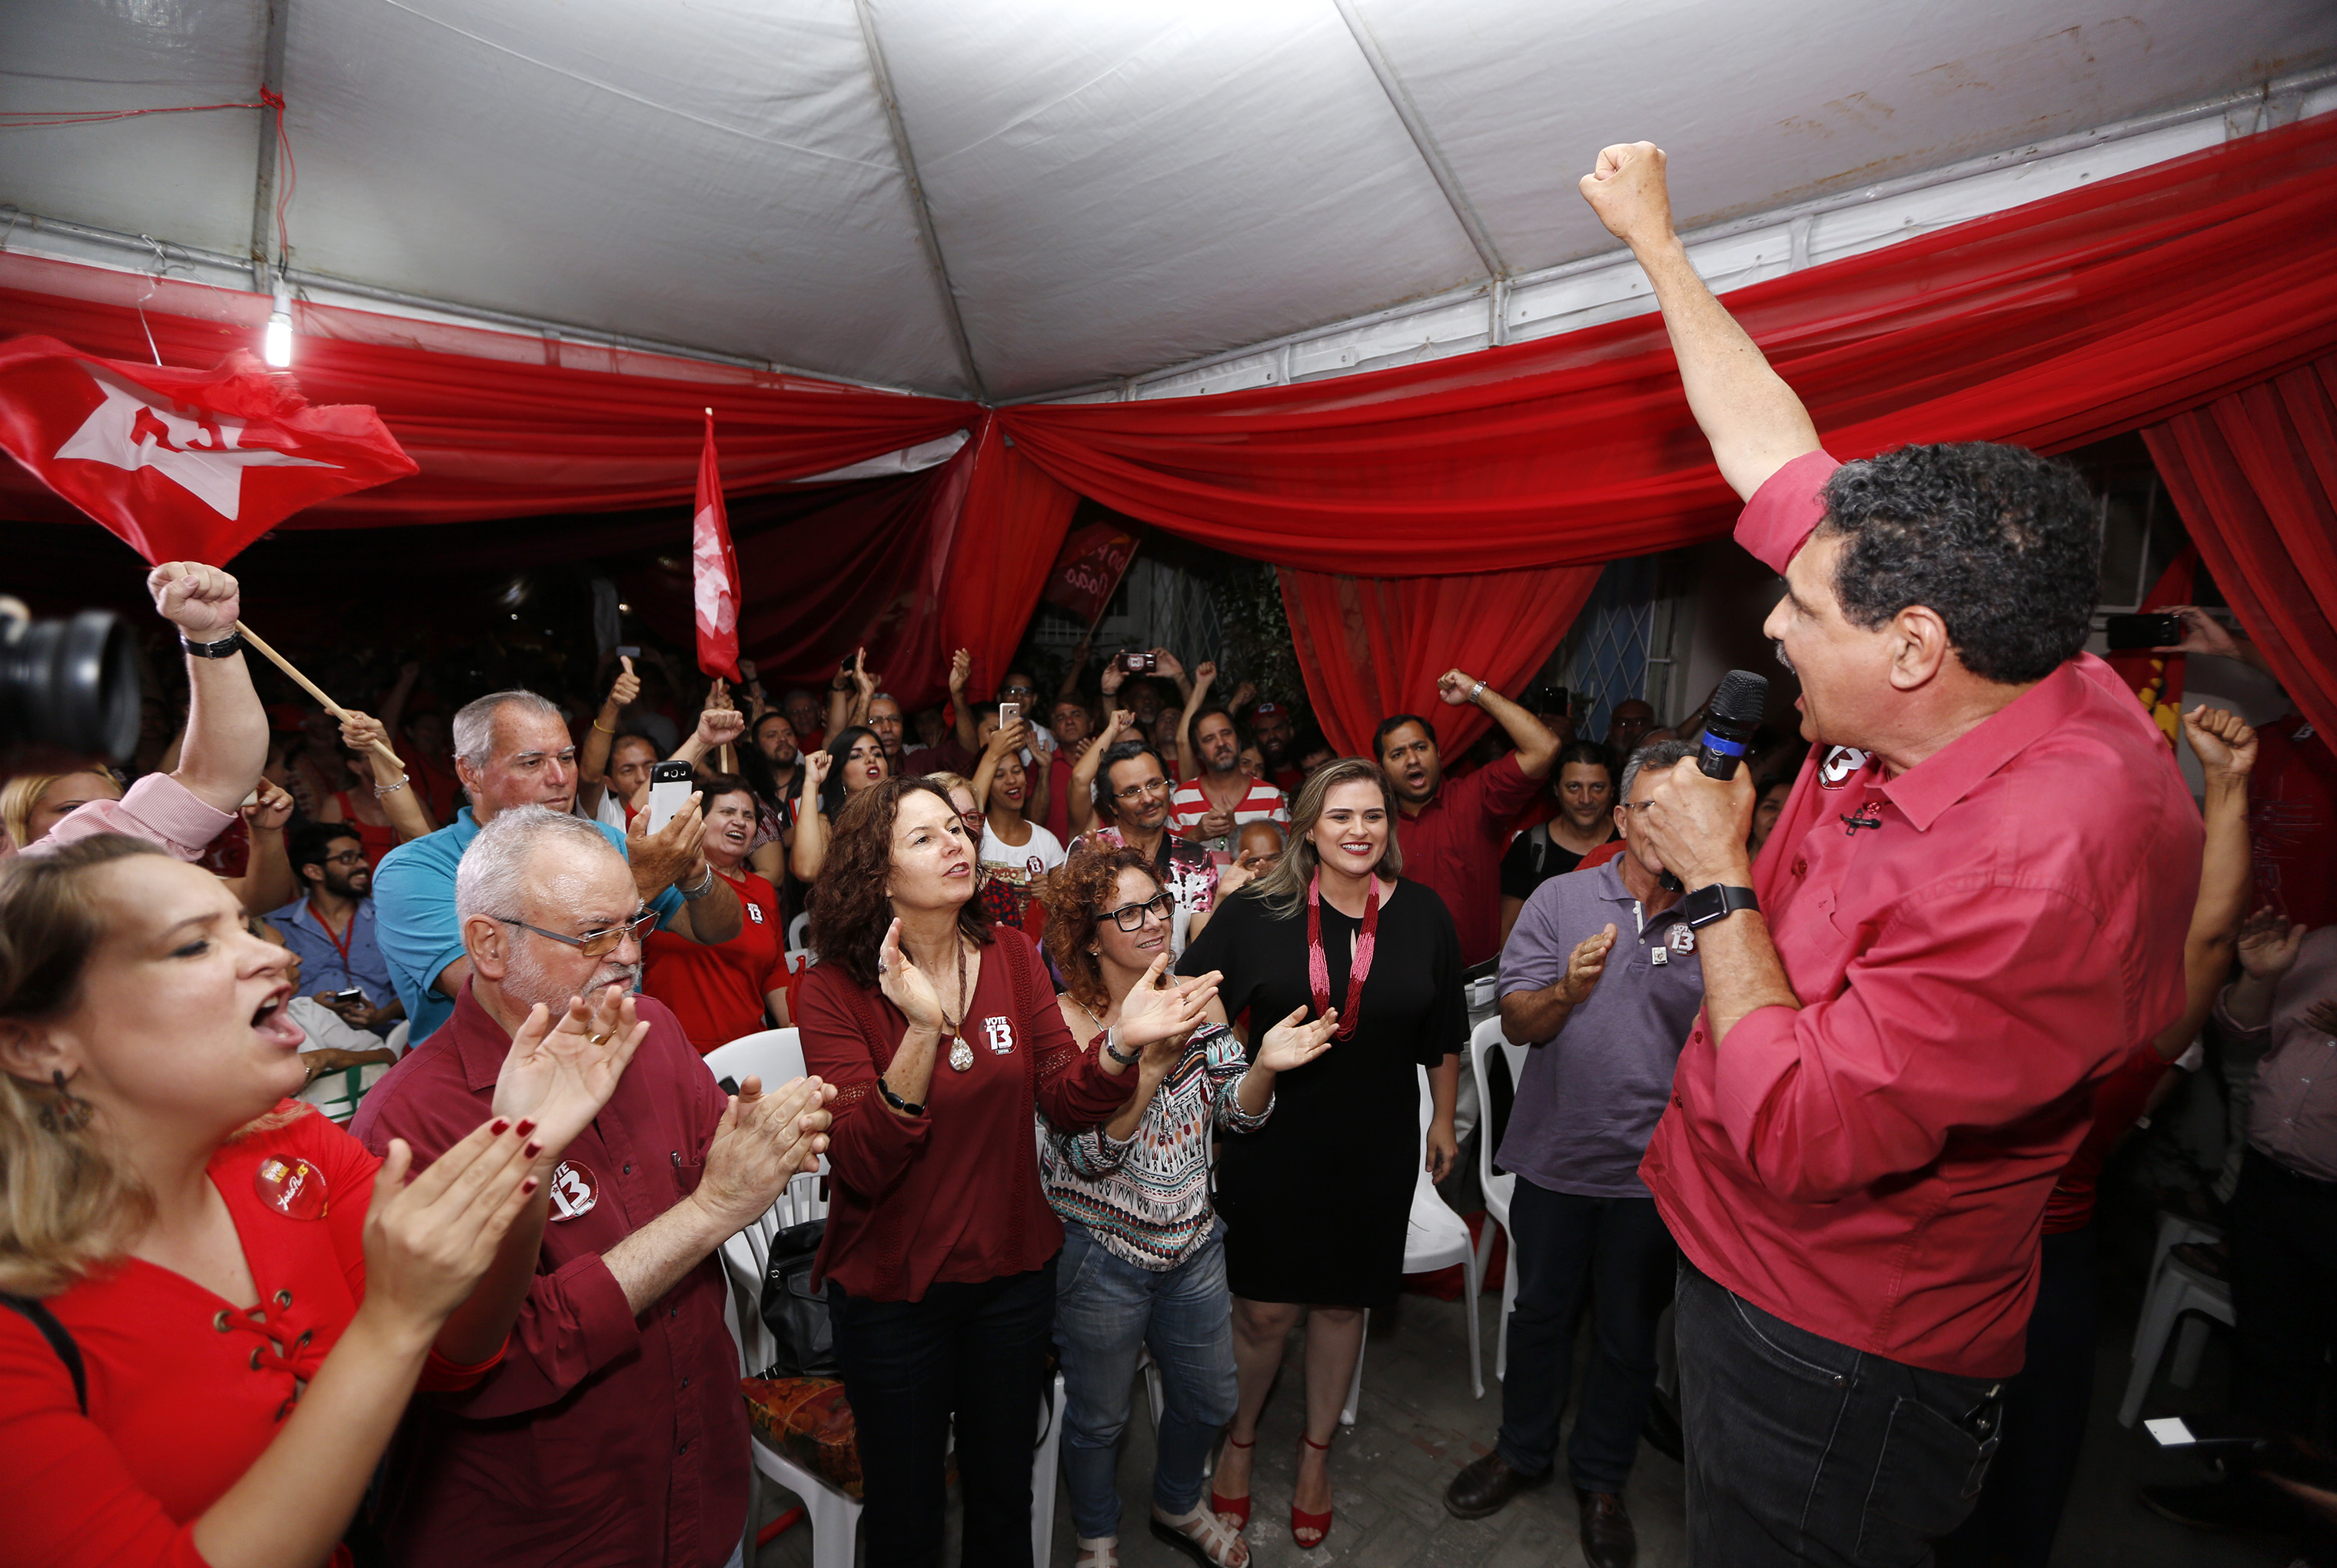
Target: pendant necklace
{"x": 1318, "y": 967}
{"x": 961, "y": 1055}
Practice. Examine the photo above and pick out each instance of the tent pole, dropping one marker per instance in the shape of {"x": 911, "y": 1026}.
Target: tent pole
{"x": 918, "y": 206}
{"x": 263, "y": 191}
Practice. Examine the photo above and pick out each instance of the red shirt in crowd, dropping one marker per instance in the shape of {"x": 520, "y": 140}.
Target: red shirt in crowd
{"x": 716, "y": 992}
{"x": 1455, "y": 846}
{"x": 601, "y": 1440}
{"x": 2119, "y": 1103}
{"x": 2292, "y": 820}
{"x": 1059, "y": 797}
{"x": 185, "y": 1391}
{"x": 1873, "y": 1166}
{"x": 952, "y": 1195}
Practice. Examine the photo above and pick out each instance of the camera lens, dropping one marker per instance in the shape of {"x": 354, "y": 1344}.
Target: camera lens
{"x": 69, "y": 685}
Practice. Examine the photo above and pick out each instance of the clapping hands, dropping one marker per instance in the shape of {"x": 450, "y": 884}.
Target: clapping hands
{"x": 1294, "y": 1042}
{"x": 1161, "y": 1014}
{"x": 562, "y": 1069}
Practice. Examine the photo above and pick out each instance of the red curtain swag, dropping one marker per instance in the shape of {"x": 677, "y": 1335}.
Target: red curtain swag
{"x": 2254, "y": 475}
{"x": 2119, "y": 305}
{"x": 1373, "y": 646}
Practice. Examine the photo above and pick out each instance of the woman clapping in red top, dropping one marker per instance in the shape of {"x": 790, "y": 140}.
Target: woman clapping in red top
{"x": 220, "y": 1300}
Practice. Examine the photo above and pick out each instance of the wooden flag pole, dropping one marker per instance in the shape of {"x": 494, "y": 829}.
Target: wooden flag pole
{"x": 312, "y": 688}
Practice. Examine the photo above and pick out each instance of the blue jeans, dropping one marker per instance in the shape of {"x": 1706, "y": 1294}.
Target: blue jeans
{"x": 1106, "y": 1310}
{"x": 1805, "y": 1453}
{"x": 1617, "y": 1251}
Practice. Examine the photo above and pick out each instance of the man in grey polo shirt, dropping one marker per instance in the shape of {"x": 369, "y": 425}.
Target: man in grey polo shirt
{"x": 1600, "y": 976}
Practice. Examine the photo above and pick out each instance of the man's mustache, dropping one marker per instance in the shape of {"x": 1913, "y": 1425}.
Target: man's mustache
{"x": 1780, "y": 649}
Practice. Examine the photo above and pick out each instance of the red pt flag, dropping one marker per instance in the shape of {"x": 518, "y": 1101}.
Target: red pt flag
{"x": 714, "y": 568}
{"x": 185, "y": 464}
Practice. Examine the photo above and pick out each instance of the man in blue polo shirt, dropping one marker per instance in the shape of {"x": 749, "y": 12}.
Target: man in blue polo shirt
{"x": 1601, "y": 977}
{"x": 331, "y": 927}
{"x": 511, "y": 748}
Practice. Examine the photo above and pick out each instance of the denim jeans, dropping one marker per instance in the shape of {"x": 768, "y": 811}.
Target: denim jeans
{"x": 1106, "y": 1310}
{"x": 1801, "y": 1450}
{"x": 1617, "y": 1251}
{"x": 970, "y": 1355}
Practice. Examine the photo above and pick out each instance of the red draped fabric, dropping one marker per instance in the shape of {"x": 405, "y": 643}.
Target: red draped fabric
{"x": 1373, "y": 646}
{"x": 495, "y": 436}
{"x": 1008, "y": 532}
{"x": 2051, "y": 325}
{"x": 2254, "y": 475}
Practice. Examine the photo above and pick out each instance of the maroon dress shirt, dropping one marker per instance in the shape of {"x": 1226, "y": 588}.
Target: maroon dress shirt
{"x": 601, "y": 1439}
{"x": 1975, "y": 943}
{"x": 1455, "y": 846}
{"x": 951, "y": 1195}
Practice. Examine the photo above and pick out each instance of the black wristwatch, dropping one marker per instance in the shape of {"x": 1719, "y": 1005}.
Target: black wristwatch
{"x": 1707, "y": 904}
{"x": 227, "y": 646}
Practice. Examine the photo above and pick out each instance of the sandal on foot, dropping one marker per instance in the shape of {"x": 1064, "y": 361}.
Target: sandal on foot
{"x": 1204, "y": 1537}
{"x": 1320, "y": 1524}
{"x": 1098, "y": 1551}
{"x": 1234, "y": 1508}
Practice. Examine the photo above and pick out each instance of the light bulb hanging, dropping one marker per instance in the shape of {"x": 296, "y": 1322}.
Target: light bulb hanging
{"x": 277, "y": 346}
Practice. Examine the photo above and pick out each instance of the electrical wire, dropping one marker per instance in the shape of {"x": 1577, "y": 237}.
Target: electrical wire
{"x": 30, "y": 119}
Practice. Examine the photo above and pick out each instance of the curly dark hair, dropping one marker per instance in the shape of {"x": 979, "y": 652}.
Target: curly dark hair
{"x": 2003, "y": 544}
{"x": 849, "y": 910}
{"x": 1075, "y": 895}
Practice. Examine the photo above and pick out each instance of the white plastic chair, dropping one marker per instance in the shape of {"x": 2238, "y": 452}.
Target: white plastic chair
{"x": 2178, "y": 1290}
{"x": 1437, "y": 1239}
{"x": 796, "y": 927}
{"x": 1483, "y": 1041}
{"x": 774, "y": 1056}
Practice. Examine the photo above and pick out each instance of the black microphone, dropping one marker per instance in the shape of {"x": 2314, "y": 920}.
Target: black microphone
{"x": 1735, "y": 714}
{"x": 1737, "y": 709}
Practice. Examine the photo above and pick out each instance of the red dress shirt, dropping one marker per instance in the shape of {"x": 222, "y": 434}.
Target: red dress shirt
{"x": 602, "y": 1439}
{"x": 185, "y": 1392}
{"x": 1873, "y": 1166}
{"x": 717, "y": 991}
{"x": 952, "y": 1195}
{"x": 1455, "y": 846}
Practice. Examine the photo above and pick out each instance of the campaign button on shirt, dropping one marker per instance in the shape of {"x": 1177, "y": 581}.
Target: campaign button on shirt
{"x": 575, "y": 1190}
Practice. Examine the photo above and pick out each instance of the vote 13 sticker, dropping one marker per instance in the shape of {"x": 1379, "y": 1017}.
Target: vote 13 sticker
{"x": 575, "y": 1190}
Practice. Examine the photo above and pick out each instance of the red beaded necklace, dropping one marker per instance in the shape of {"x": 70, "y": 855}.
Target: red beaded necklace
{"x": 1319, "y": 967}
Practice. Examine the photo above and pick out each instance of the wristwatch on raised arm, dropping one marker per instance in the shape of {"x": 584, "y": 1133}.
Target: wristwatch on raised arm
{"x": 1707, "y": 904}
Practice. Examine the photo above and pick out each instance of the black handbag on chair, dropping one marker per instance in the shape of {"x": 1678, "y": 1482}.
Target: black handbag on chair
{"x": 793, "y": 1309}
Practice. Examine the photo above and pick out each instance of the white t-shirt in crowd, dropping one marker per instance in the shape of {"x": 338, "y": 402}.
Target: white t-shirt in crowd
{"x": 1020, "y": 863}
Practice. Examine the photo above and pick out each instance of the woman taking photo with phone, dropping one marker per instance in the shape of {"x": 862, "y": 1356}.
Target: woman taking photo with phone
{"x": 1330, "y": 928}
{"x": 720, "y": 991}
{"x": 943, "y": 1039}
{"x": 1143, "y": 1258}
{"x": 219, "y": 1301}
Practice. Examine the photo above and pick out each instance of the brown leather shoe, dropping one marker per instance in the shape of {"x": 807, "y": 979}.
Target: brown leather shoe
{"x": 1485, "y": 1486}
{"x": 1607, "y": 1539}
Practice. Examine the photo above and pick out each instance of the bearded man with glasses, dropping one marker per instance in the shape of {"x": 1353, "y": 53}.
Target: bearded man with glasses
{"x": 1130, "y": 779}
{"x": 611, "y": 1432}
{"x": 331, "y": 927}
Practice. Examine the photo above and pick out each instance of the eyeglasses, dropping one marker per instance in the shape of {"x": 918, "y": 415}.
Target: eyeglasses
{"x": 1018, "y": 691}
{"x": 1152, "y": 787}
{"x": 1637, "y": 805}
{"x": 974, "y": 821}
{"x": 347, "y": 858}
{"x": 596, "y": 944}
{"x": 1130, "y": 917}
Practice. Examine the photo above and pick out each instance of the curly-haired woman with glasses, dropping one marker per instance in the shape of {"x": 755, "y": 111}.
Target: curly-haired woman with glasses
{"x": 943, "y": 1039}
{"x": 1143, "y": 1256}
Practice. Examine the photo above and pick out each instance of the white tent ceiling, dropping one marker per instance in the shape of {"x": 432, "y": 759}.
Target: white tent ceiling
{"x": 1072, "y": 191}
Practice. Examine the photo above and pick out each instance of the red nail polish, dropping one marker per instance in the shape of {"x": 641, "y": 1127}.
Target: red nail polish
{"x": 526, "y": 1128}
{"x": 534, "y": 1149}
{"x": 529, "y": 1185}
{"x": 499, "y": 1123}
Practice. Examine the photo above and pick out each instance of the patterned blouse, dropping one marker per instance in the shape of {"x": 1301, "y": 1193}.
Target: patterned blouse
{"x": 1146, "y": 1200}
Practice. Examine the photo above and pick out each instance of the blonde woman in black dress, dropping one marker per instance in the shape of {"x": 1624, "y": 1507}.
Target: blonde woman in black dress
{"x": 1317, "y": 1202}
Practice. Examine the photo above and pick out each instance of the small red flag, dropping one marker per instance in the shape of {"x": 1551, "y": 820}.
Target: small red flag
{"x": 714, "y": 568}
{"x": 185, "y": 464}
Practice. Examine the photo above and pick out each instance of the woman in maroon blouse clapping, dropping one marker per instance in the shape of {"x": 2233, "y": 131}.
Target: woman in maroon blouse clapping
{"x": 943, "y": 1039}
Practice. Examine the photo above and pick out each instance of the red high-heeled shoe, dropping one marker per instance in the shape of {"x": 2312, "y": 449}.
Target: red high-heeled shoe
{"x": 1239, "y": 1507}
{"x": 1319, "y": 1522}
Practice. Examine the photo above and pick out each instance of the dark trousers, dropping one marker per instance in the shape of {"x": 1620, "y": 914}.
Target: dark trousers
{"x": 1801, "y": 1450}
{"x": 2045, "y": 1411}
{"x": 971, "y": 1355}
{"x": 2283, "y": 1228}
{"x": 1617, "y": 1251}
